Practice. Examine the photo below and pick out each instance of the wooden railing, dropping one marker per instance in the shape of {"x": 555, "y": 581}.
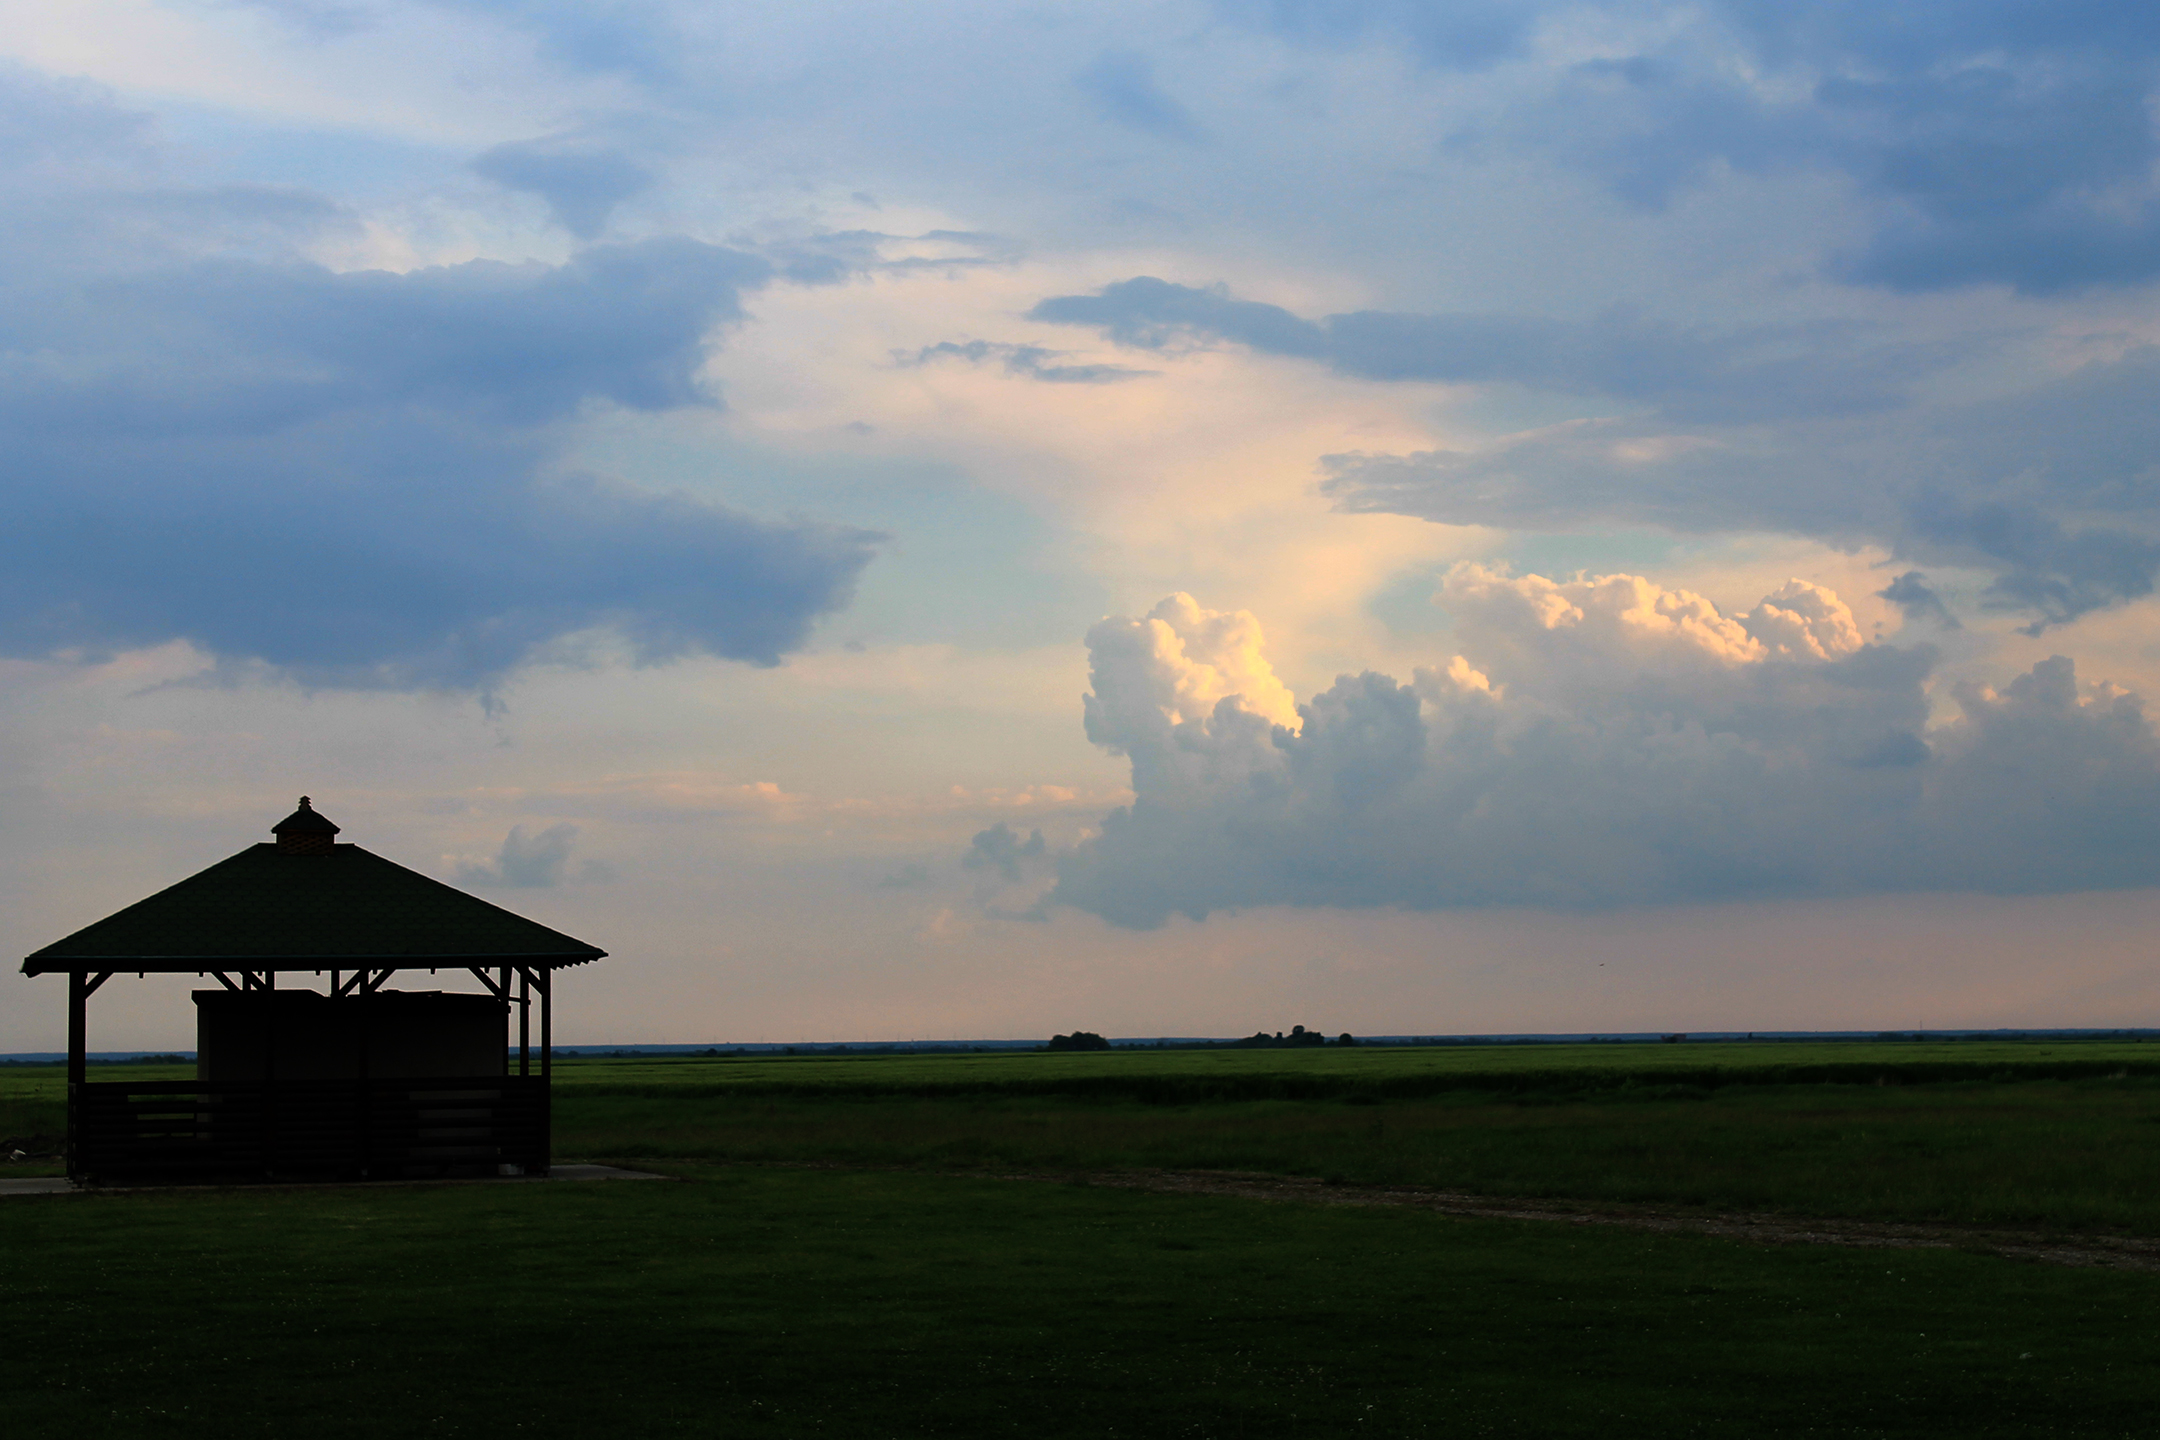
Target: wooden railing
{"x": 370, "y": 1129}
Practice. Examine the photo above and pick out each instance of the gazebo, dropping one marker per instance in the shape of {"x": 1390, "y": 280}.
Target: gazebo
{"x": 352, "y": 1080}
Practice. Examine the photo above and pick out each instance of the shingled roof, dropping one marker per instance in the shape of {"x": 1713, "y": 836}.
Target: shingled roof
{"x": 342, "y": 907}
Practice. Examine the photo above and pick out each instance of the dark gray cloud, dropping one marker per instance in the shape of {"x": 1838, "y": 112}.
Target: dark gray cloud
{"x": 1122, "y": 85}
{"x": 1029, "y": 362}
{"x": 2050, "y": 489}
{"x": 1911, "y": 594}
{"x": 1606, "y": 743}
{"x": 581, "y": 184}
{"x": 352, "y": 476}
{"x": 1691, "y": 373}
{"x": 1808, "y": 431}
{"x": 2007, "y": 142}
{"x": 1001, "y": 849}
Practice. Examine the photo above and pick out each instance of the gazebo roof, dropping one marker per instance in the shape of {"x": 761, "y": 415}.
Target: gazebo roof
{"x": 342, "y": 908}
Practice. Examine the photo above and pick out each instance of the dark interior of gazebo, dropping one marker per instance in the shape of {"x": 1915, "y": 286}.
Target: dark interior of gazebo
{"x": 354, "y": 1080}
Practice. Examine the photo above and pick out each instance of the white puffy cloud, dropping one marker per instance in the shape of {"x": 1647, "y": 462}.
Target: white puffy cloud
{"x": 1175, "y": 666}
{"x": 1606, "y": 741}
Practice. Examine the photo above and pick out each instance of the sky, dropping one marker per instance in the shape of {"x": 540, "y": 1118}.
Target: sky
{"x": 972, "y": 520}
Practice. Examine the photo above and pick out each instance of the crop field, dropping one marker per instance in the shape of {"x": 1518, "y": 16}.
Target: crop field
{"x": 948, "y": 1245}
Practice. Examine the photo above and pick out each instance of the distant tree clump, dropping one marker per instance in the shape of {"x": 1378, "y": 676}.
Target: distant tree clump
{"x": 1079, "y": 1040}
{"x": 1299, "y": 1035}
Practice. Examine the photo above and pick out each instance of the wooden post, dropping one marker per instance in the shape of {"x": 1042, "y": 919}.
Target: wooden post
{"x": 524, "y": 1020}
{"x": 365, "y": 999}
{"x": 269, "y": 1093}
{"x": 547, "y": 1066}
{"x": 77, "y": 1066}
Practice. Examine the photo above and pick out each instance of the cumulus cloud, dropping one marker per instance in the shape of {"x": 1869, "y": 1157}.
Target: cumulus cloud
{"x": 530, "y": 860}
{"x": 351, "y": 477}
{"x": 1177, "y": 664}
{"x": 1606, "y": 741}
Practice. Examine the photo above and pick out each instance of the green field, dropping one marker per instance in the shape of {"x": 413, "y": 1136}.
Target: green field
{"x": 842, "y": 1257}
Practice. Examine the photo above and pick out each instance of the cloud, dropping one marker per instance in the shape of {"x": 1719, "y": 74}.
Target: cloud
{"x": 2049, "y": 488}
{"x": 1175, "y": 665}
{"x": 1607, "y": 741}
{"x": 636, "y": 38}
{"x": 1001, "y": 849}
{"x": 2004, "y": 143}
{"x": 1816, "y": 431}
{"x": 1122, "y": 85}
{"x": 1030, "y": 362}
{"x": 1910, "y": 593}
{"x": 531, "y": 861}
{"x": 581, "y": 184}
{"x": 1470, "y": 35}
{"x": 1980, "y": 144}
{"x": 914, "y": 875}
{"x": 1686, "y": 373}
{"x": 318, "y": 19}
{"x": 353, "y": 477}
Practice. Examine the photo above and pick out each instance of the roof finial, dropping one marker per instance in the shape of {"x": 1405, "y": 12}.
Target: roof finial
{"x": 306, "y": 831}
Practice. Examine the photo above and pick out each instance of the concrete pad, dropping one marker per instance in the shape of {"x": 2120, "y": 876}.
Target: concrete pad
{"x": 37, "y": 1185}
{"x": 598, "y": 1172}
{"x": 61, "y": 1185}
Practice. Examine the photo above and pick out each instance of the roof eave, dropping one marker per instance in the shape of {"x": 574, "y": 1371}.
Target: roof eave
{"x": 287, "y": 964}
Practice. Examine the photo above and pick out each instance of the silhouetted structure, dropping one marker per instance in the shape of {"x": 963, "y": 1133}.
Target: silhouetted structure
{"x": 356, "y": 1081}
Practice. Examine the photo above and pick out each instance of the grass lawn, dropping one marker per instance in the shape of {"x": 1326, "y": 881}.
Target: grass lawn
{"x": 798, "y": 1302}
{"x": 2068, "y": 1155}
{"x": 1373, "y": 1072}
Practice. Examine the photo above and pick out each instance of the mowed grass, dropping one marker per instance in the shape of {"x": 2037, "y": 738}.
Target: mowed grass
{"x": 2055, "y": 1135}
{"x": 1381, "y": 1072}
{"x": 750, "y": 1302}
{"x": 2058, "y": 1155}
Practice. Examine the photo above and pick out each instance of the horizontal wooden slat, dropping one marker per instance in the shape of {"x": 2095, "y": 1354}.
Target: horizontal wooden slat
{"x": 178, "y": 1129}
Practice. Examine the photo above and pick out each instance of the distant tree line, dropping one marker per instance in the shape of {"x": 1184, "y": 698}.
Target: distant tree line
{"x": 1298, "y": 1036}
{"x": 1259, "y": 1040}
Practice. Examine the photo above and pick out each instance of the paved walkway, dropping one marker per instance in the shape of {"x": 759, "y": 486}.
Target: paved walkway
{"x": 37, "y": 1185}
{"x": 61, "y": 1185}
